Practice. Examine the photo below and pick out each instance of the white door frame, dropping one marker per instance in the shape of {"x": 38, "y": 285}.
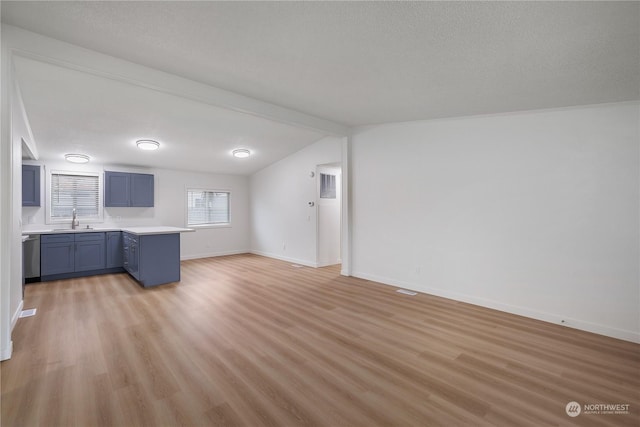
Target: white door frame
{"x": 322, "y": 168}
{"x": 346, "y": 228}
{"x": 346, "y": 208}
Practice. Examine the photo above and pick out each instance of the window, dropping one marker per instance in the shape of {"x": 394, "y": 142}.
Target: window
{"x": 327, "y": 186}
{"x": 81, "y": 191}
{"x": 207, "y": 207}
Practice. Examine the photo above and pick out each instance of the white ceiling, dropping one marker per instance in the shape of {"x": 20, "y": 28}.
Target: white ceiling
{"x": 76, "y": 112}
{"x": 353, "y": 63}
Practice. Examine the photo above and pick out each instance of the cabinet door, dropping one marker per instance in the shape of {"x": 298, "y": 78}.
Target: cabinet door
{"x": 117, "y": 187}
{"x": 159, "y": 259}
{"x": 114, "y": 249}
{"x": 141, "y": 190}
{"x": 131, "y": 256}
{"x": 30, "y": 185}
{"x": 56, "y": 254}
{"x": 134, "y": 258}
{"x": 90, "y": 251}
{"x": 125, "y": 250}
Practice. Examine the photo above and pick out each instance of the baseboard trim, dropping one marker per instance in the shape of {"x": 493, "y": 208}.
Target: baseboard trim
{"x": 16, "y": 315}
{"x": 212, "y": 254}
{"x": 284, "y": 258}
{"x": 326, "y": 264}
{"x": 6, "y": 353}
{"x": 582, "y": 325}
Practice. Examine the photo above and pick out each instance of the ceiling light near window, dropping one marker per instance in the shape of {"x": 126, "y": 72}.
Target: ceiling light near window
{"x": 241, "y": 153}
{"x": 147, "y": 144}
{"x": 76, "y": 158}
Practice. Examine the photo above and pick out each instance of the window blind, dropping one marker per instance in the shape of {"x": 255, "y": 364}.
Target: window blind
{"x": 207, "y": 207}
{"x": 81, "y": 192}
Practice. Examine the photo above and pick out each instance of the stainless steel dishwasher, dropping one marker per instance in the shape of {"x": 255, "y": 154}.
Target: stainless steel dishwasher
{"x": 31, "y": 257}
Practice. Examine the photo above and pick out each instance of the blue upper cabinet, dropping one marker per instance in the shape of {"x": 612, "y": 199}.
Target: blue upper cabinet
{"x": 117, "y": 189}
{"x": 141, "y": 190}
{"x": 30, "y": 185}
{"x": 123, "y": 189}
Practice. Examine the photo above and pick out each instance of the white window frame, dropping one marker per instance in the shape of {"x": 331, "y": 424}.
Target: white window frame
{"x": 330, "y": 177}
{"x": 211, "y": 225}
{"x": 94, "y": 219}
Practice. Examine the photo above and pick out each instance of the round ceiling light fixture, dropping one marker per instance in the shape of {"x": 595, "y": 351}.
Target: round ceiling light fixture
{"x": 76, "y": 158}
{"x": 147, "y": 144}
{"x": 241, "y": 153}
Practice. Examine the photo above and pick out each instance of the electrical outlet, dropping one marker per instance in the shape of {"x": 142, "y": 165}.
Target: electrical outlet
{"x": 284, "y": 246}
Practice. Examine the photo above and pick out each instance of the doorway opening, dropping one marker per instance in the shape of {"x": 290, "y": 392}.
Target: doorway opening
{"x": 329, "y": 214}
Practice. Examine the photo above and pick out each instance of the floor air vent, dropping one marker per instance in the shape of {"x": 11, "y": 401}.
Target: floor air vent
{"x": 28, "y": 313}
{"x": 406, "y": 292}
{"x": 297, "y": 265}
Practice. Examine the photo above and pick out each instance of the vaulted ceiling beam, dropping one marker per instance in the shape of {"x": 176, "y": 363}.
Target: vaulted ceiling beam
{"x": 45, "y": 49}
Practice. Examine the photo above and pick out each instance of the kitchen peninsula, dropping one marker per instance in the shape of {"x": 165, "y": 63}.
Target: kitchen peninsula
{"x": 150, "y": 254}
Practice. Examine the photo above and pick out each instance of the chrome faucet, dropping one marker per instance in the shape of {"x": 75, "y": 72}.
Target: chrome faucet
{"x": 74, "y": 221}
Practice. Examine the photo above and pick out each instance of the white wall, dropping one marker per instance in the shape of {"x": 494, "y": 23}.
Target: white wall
{"x": 6, "y": 222}
{"x": 534, "y": 213}
{"x": 20, "y": 131}
{"x": 169, "y": 209}
{"x": 283, "y": 225}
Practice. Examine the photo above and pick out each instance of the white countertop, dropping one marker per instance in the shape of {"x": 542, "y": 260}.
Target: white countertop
{"x": 132, "y": 230}
{"x": 155, "y": 230}
{"x": 68, "y": 230}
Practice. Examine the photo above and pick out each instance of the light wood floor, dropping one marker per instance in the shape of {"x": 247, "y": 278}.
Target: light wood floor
{"x": 247, "y": 340}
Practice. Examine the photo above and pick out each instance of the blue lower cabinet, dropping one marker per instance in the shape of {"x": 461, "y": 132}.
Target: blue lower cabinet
{"x": 115, "y": 253}
{"x": 131, "y": 254}
{"x": 90, "y": 251}
{"x": 153, "y": 259}
{"x": 69, "y": 255}
{"x": 57, "y": 254}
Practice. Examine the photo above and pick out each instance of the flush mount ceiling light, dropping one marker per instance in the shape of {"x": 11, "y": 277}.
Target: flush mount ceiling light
{"x": 241, "y": 153}
{"x": 147, "y": 144}
{"x": 76, "y": 158}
